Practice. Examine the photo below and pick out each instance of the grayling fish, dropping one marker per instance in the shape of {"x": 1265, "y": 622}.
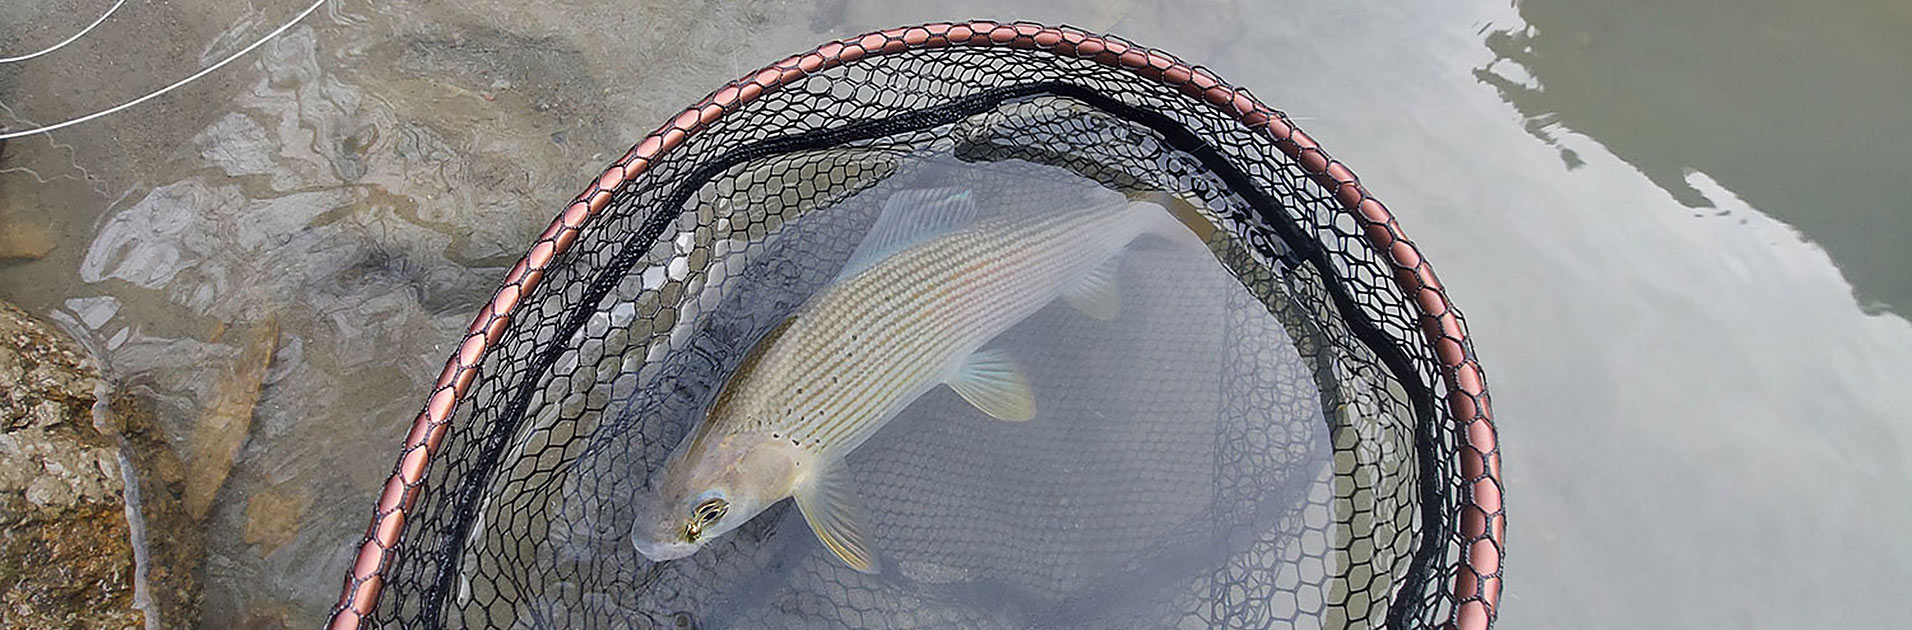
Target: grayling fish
{"x": 927, "y": 289}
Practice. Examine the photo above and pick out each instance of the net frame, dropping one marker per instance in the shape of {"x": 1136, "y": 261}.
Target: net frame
{"x": 1478, "y": 524}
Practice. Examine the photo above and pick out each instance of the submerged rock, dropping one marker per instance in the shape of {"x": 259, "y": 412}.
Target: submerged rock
{"x": 272, "y": 517}
{"x": 68, "y": 557}
{"x": 227, "y": 420}
{"x": 19, "y": 241}
{"x": 23, "y": 241}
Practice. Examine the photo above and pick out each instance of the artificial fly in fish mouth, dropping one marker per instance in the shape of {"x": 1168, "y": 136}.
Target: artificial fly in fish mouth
{"x": 914, "y": 308}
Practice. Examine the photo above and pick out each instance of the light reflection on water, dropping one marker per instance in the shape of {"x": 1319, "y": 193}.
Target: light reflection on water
{"x": 1798, "y": 107}
{"x": 1701, "y": 424}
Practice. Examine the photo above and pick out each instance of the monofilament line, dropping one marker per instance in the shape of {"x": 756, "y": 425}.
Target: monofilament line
{"x": 176, "y": 85}
{"x": 69, "y": 40}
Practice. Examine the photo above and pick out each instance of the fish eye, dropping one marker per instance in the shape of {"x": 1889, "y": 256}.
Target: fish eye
{"x": 704, "y": 514}
{"x": 710, "y": 510}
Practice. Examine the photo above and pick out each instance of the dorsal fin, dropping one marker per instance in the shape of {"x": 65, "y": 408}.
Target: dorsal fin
{"x": 910, "y": 217}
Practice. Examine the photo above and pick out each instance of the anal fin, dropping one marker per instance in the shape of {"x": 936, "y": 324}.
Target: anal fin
{"x": 1097, "y": 294}
{"x": 990, "y": 380}
{"x": 829, "y": 507}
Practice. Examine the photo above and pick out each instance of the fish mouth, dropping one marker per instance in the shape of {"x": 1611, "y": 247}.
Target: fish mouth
{"x": 664, "y": 551}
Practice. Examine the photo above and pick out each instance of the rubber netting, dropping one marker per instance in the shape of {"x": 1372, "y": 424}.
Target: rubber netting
{"x": 1259, "y": 440}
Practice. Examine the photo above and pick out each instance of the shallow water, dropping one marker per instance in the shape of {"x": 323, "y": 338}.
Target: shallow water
{"x": 1679, "y": 259}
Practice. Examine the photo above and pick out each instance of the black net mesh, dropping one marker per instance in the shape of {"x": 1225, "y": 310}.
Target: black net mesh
{"x": 1259, "y": 440}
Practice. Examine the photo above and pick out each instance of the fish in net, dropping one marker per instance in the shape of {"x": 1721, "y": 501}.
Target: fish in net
{"x": 1282, "y": 426}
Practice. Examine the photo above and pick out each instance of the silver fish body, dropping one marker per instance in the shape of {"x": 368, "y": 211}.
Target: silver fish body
{"x": 895, "y": 326}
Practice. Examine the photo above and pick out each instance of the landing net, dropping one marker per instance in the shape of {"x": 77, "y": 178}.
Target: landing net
{"x": 1286, "y": 430}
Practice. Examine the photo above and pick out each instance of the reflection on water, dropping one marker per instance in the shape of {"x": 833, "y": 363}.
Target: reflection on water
{"x": 1702, "y": 428}
{"x": 1754, "y": 454}
{"x": 1799, "y": 107}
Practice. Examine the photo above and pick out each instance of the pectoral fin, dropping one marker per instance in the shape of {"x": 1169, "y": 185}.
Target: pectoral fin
{"x": 990, "y": 380}
{"x": 830, "y": 509}
{"x": 1096, "y": 294}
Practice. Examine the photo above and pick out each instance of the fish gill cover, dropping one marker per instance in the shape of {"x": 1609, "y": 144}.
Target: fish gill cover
{"x": 1282, "y": 426}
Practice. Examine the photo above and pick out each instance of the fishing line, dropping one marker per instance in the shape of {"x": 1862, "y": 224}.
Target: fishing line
{"x": 176, "y": 85}
{"x": 69, "y": 40}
